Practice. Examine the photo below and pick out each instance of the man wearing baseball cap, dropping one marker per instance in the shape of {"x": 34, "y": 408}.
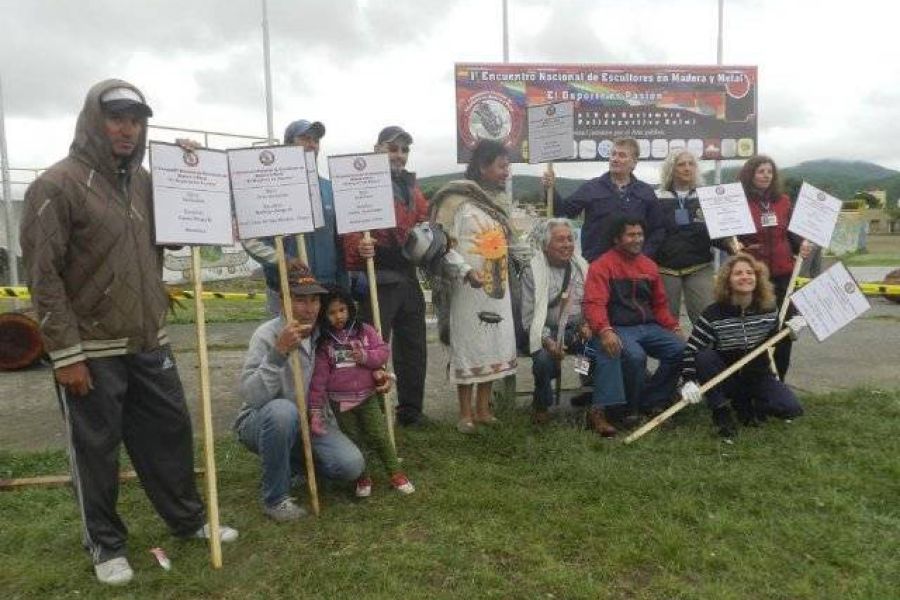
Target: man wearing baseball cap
{"x": 400, "y": 299}
{"x": 268, "y": 423}
{"x": 322, "y": 248}
{"x": 95, "y": 277}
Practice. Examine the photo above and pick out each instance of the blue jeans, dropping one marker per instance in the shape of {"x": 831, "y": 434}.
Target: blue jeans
{"x": 746, "y": 389}
{"x": 622, "y": 379}
{"x": 273, "y": 432}
{"x": 545, "y": 369}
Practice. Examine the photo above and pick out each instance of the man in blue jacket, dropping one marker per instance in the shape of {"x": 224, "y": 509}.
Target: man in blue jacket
{"x": 322, "y": 248}
{"x": 617, "y": 193}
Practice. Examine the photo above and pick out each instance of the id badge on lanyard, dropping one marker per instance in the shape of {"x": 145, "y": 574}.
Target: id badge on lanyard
{"x": 768, "y": 219}
{"x": 582, "y": 364}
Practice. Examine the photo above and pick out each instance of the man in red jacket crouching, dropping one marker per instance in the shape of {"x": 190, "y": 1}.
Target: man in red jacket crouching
{"x": 625, "y": 306}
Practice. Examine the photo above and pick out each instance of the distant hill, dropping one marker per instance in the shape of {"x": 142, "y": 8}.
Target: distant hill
{"x": 527, "y": 187}
{"x": 841, "y": 178}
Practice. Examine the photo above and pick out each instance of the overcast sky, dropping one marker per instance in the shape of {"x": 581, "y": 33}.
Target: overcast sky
{"x": 829, "y": 70}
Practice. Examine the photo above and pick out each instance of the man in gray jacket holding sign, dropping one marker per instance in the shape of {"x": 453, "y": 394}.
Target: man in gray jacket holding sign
{"x": 95, "y": 277}
{"x": 268, "y": 423}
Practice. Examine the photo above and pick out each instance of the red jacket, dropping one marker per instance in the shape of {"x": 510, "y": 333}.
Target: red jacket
{"x": 623, "y": 290}
{"x": 388, "y": 242}
{"x": 774, "y": 245}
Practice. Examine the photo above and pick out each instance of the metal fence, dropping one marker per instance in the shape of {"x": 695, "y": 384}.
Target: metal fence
{"x": 21, "y": 177}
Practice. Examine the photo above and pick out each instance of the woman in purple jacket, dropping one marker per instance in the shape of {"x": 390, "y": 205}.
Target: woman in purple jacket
{"x": 350, "y": 359}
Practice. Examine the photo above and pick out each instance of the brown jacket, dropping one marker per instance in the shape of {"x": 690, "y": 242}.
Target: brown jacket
{"x": 88, "y": 245}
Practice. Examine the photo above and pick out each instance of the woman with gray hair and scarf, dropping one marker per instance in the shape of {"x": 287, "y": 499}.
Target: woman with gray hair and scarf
{"x": 684, "y": 257}
{"x": 552, "y": 290}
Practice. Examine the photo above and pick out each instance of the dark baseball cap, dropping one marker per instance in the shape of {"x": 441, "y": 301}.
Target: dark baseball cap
{"x": 303, "y": 127}
{"x": 301, "y": 280}
{"x": 124, "y": 100}
{"x": 393, "y": 133}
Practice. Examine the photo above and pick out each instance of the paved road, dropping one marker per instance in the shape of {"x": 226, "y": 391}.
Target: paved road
{"x": 864, "y": 354}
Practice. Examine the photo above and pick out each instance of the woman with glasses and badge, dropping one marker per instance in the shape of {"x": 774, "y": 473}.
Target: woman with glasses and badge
{"x": 772, "y": 244}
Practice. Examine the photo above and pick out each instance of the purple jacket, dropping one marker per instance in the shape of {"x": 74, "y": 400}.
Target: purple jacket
{"x": 338, "y": 377}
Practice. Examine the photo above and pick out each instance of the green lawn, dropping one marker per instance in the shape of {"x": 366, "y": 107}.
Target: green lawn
{"x": 872, "y": 260}
{"x": 219, "y": 310}
{"x": 801, "y": 510}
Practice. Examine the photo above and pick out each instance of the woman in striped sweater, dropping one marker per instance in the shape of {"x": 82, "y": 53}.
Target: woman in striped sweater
{"x": 743, "y": 316}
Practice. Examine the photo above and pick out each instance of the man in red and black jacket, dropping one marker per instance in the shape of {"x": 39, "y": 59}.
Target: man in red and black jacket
{"x": 400, "y": 300}
{"x": 626, "y": 308}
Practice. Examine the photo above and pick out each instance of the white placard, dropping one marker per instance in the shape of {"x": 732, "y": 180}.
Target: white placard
{"x": 830, "y": 301}
{"x": 725, "y": 210}
{"x": 271, "y": 191}
{"x": 551, "y": 132}
{"x": 315, "y": 192}
{"x": 815, "y": 215}
{"x": 363, "y": 194}
{"x": 191, "y": 197}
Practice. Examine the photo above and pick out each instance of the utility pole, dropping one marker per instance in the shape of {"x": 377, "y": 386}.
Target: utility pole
{"x": 267, "y": 66}
{"x": 11, "y": 237}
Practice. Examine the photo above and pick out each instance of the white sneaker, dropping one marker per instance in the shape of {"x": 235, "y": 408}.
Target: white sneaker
{"x": 115, "y": 571}
{"x": 286, "y": 510}
{"x": 226, "y": 533}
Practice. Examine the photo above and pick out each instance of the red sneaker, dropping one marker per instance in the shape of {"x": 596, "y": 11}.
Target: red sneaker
{"x": 401, "y": 483}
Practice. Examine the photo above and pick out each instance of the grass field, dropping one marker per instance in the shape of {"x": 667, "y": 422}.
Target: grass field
{"x": 801, "y": 510}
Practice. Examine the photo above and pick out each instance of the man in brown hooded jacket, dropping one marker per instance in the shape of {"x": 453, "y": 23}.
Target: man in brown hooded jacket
{"x": 95, "y": 277}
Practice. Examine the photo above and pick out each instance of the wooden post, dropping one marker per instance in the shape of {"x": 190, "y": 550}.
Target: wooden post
{"x": 376, "y": 319}
{"x": 51, "y": 480}
{"x": 301, "y": 249}
{"x": 560, "y": 339}
{"x": 297, "y": 372}
{"x": 550, "y": 192}
{"x": 798, "y": 264}
{"x": 653, "y": 423}
{"x": 782, "y": 312}
{"x": 212, "y": 494}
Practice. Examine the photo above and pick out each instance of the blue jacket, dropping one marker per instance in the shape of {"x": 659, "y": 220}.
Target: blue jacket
{"x": 322, "y": 248}
{"x": 601, "y": 202}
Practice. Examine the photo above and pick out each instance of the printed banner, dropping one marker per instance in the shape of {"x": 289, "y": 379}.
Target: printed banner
{"x": 710, "y": 110}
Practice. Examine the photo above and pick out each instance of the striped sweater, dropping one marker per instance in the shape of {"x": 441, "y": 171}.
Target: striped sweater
{"x": 732, "y": 332}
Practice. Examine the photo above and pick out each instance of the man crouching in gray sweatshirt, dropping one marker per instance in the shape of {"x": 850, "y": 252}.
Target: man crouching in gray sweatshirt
{"x": 268, "y": 423}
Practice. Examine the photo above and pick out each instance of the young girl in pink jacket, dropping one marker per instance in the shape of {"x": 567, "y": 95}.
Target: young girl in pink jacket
{"x": 350, "y": 360}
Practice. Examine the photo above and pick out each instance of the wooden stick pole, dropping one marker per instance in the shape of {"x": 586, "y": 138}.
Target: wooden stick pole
{"x": 51, "y": 480}
{"x": 560, "y": 338}
{"x": 782, "y": 313}
{"x": 297, "y": 372}
{"x": 550, "y": 192}
{"x": 376, "y": 319}
{"x": 301, "y": 249}
{"x": 725, "y": 374}
{"x": 798, "y": 264}
{"x": 209, "y": 452}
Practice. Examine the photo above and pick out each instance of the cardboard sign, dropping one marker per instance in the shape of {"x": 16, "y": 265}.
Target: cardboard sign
{"x": 551, "y": 132}
{"x": 271, "y": 191}
{"x": 725, "y": 210}
{"x": 815, "y": 215}
{"x": 191, "y": 196}
{"x": 363, "y": 193}
{"x": 830, "y": 301}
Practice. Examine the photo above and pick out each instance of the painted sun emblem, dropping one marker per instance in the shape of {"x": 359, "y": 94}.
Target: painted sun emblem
{"x": 490, "y": 244}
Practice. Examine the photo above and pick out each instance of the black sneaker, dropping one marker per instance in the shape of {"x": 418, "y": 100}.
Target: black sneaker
{"x": 413, "y": 420}
{"x": 722, "y": 419}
